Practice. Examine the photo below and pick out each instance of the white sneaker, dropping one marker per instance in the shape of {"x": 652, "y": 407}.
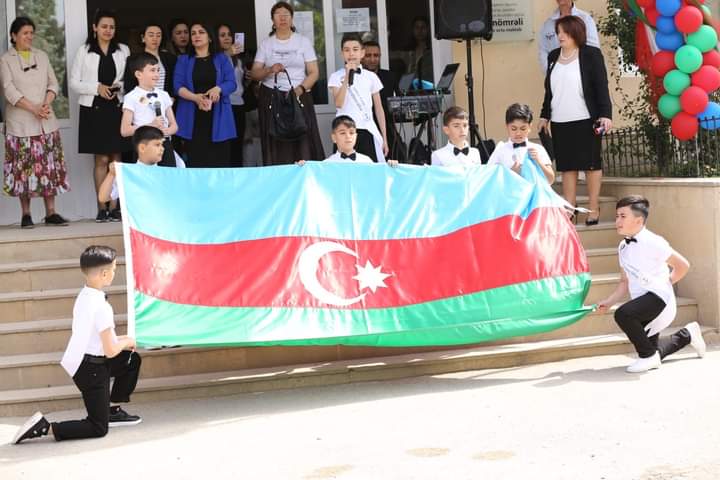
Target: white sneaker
{"x": 696, "y": 338}
{"x": 644, "y": 364}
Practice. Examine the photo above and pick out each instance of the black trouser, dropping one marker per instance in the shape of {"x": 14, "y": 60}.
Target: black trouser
{"x": 93, "y": 380}
{"x": 238, "y": 143}
{"x": 633, "y": 316}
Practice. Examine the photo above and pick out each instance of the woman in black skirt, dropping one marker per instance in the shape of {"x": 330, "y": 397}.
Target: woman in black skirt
{"x": 204, "y": 80}
{"x": 577, "y": 105}
{"x": 287, "y": 50}
{"x": 97, "y": 76}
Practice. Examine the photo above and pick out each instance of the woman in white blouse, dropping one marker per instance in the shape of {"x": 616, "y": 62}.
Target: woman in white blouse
{"x": 578, "y": 110}
{"x": 287, "y": 50}
{"x": 97, "y": 76}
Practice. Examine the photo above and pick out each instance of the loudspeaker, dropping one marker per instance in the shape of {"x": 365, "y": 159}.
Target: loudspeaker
{"x": 463, "y": 19}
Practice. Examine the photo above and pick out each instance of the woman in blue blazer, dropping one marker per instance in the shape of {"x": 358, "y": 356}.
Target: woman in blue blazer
{"x": 204, "y": 80}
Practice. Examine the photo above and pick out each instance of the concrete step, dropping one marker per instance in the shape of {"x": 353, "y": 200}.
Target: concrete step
{"x": 57, "y": 243}
{"x": 26, "y": 401}
{"x": 47, "y": 275}
{"x": 49, "y": 304}
{"x": 41, "y": 369}
{"x": 42, "y": 336}
{"x": 602, "y": 285}
{"x": 602, "y": 235}
{"x": 602, "y": 260}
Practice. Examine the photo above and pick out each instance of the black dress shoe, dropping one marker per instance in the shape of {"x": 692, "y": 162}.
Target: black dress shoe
{"x": 55, "y": 220}
{"x": 26, "y": 222}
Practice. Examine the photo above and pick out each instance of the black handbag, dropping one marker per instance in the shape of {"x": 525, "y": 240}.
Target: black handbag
{"x": 287, "y": 119}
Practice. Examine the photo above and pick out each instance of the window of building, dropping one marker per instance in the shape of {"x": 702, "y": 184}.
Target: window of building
{"x": 49, "y": 19}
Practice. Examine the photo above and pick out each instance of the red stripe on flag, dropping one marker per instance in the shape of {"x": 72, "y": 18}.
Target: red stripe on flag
{"x": 265, "y": 273}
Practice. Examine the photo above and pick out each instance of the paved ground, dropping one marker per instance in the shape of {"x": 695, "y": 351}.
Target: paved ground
{"x": 581, "y": 419}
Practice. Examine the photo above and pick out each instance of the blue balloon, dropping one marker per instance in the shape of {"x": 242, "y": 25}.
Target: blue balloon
{"x": 666, "y": 25}
{"x": 668, "y": 8}
{"x": 710, "y": 117}
{"x": 669, "y": 41}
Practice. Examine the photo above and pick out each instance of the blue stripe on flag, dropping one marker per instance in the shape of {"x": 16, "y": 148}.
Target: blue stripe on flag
{"x": 332, "y": 200}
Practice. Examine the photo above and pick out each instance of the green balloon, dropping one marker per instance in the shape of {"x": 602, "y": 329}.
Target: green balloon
{"x": 688, "y": 58}
{"x": 675, "y": 82}
{"x": 705, "y": 38}
{"x": 669, "y": 106}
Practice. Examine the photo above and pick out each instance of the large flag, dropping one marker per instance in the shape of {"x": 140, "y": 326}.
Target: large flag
{"x": 346, "y": 254}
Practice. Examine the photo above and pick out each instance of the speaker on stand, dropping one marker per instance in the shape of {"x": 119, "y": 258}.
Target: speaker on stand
{"x": 465, "y": 20}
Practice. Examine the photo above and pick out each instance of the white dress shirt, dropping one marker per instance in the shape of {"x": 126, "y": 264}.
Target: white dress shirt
{"x": 446, "y": 157}
{"x": 645, "y": 264}
{"x": 359, "y": 158}
{"x": 547, "y": 38}
{"x": 92, "y": 314}
{"x": 506, "y": 154}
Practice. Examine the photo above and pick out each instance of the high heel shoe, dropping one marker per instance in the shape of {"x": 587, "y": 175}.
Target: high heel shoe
{"x": 592, "y": 221}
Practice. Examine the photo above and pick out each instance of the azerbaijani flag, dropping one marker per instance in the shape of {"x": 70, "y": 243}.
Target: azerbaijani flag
{"x": 351, "y": 254}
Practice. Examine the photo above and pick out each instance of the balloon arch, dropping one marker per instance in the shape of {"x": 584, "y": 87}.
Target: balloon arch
{"x": 676, "y": 43}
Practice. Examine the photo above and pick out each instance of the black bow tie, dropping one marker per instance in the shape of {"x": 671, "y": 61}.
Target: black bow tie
{"x": 521, "y": 144}
{"x": 151, "y": 95}
{"x": 464, "y": 151}
{"x": 357, "y": 71}
{"x": 629, "y": 240}
{"x": 352, "y": 156}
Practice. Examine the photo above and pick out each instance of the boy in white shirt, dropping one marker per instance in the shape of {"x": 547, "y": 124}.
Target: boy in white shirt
{"x": 357, "y": 91}
{"x": 645, "y": 258}
{"x": 344, "y": 136}
{"x": 457, "y": 151}
{"x": 514, "y": 152}
{"x": 148, "y": 105}
{"x": 149, "y": 144}
{"x": 94, "y": 354}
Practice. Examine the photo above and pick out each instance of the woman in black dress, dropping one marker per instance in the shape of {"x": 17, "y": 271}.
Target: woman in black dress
{"x": 204, "y": 80}
{"x": 97, "y": 76}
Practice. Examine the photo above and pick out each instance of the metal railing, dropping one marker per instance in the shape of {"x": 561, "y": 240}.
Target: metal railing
{"x": 652, "y": 151}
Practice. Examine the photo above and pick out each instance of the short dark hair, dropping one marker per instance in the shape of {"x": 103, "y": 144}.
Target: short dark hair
{"x": 371, "y": 43}
{"x": 145, "y": 134}
{"x": 18, "y": 24}
{"x": 454, "y": 113}
{"x": 343, "y": 120}
{"x": 351, "y": 37}
{"x": 637, "y": 203}
{"x": 573, "y": 26}
{"x": 96, "y": 256}
{"x": 92, "y": 40}
{"x": 518, "y": 111}
{"x": 214, "y": 46}
{"x": 142, "y": 60}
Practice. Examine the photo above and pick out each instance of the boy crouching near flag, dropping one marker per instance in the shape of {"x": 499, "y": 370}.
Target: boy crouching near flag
{"x": 650, "y": 267}
{"x": 93, "y": 355}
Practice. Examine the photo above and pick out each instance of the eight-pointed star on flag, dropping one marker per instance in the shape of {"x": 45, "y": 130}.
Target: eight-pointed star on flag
{"x": 371, "y": 277}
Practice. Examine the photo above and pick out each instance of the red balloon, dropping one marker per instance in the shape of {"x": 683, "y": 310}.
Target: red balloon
{"x": 712, "y": 58}
{"x": 688, "y": 19}
{"x": 684, "y": 126}
{"x": 652, "y": 15}
{"x": 707, "y": 78}
{"x": 694, "y": 100}
{"x": 646, "y": 3}
{"x": 662, "y": 62}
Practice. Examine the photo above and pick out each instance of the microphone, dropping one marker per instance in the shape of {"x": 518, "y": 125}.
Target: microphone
{"x": 351, "y": 77}
{"x": 158, "y": 108}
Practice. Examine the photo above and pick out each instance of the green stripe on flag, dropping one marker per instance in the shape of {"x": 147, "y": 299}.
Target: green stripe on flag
{"x": 515, "y": 310}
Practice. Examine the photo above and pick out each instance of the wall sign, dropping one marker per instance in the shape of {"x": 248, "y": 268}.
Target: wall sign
{"x": 512, "y": 20}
